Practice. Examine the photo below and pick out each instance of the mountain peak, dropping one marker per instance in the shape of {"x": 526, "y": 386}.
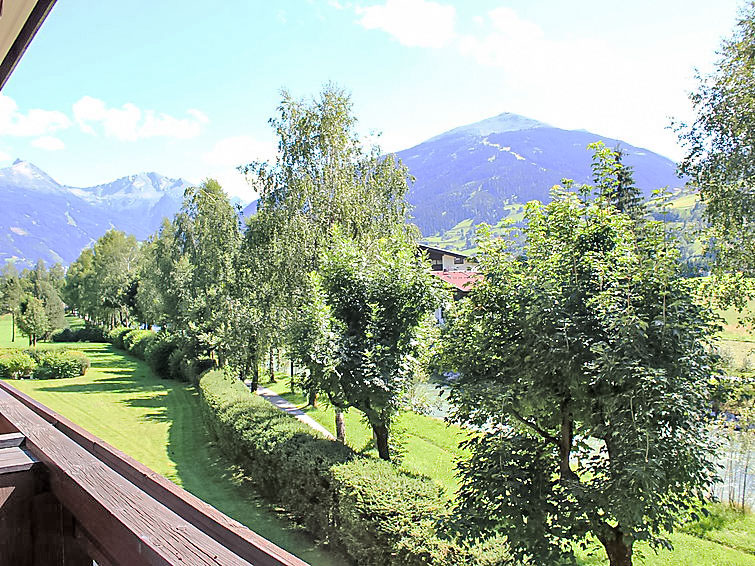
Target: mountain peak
{"x": 26, "y": 174}
{"x": 505, "y": 122}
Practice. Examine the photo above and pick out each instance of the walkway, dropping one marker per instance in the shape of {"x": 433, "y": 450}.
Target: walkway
{"x": 291, "y": 409}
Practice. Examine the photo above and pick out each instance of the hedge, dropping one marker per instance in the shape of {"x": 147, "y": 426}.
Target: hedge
{"x": 85, "y": 334}
{"x": 375, "y": 513}
{"x": 116, "y": 335}
{"x": 158, "y": 353}
{"x": 137, "y": 341}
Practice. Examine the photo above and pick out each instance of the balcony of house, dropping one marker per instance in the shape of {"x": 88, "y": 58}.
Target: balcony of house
{"x": 68, "y": 498}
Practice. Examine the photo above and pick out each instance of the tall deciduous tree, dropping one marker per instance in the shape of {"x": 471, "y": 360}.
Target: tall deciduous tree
{"x": 32, "y": 319}
{"x": 373, "y": 301}
{"x": 720, "y": 143}
{"x": 206, "y": 241}
{"x": 11, "y": 294}
{"x": 324, "y": 179}
{"x": 584, "y": 364}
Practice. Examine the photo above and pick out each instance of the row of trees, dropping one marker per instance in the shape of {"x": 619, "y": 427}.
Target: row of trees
{"x": 327, "y": 268}
{"x": 33, "y": 299}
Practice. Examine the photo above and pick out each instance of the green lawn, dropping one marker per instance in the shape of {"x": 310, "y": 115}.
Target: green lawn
{"x": 159, "y": 423}
{"x": 431, "y": 446}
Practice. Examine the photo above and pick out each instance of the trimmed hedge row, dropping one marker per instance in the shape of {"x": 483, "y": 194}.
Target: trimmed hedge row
{"x": 85, "y": 334}
{"x": 377, "y": 514}
{"x": 43, "y": 364}
{"x": 162, "y": 352}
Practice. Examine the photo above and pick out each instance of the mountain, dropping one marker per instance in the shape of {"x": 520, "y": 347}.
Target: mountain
{"x": 42, "y": 219}
{"x": 475, "y": 171}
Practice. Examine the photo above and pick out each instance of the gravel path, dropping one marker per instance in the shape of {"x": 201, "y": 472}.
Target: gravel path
{"x": 291, "y": 409}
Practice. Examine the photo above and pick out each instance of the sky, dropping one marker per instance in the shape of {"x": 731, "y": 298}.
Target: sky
{"x": 186, "y": 88}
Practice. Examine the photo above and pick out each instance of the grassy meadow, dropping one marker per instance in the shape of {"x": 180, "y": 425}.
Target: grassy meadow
{"x": 159, "y": 423}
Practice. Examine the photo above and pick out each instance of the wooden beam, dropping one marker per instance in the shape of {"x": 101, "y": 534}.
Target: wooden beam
{"x": 11, "y": 439}
{"x": 23, "y": 39}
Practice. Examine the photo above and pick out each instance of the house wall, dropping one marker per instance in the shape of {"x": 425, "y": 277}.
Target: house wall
{"x": 449, "y": 265}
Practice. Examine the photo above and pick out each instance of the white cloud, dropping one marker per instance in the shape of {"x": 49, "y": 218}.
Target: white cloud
{"x": 4, "y": 157}
{"x": 35, "y": 122}
{"x": 414, "y": 23}
{"x": 238, "y": 150}
{"x": 49, "y": 143}
{"x": 228, "y": 153}
{"x": 130, "y": 123}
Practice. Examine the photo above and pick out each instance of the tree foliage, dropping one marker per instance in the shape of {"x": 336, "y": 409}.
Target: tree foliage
{"x": 720, "y": 142}
{"x": 32, "y": 319}
{"x": 585, "y": 366}
{"x": 364, "y": 318}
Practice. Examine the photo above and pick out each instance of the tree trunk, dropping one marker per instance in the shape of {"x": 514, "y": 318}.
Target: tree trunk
{"x": 380, "y": 436}
{"x": 340, "y": 427}
{"x": 13, "y": 326}
{"x": 618, "y": 549}
{"x": 312, "y": 398}
{"x": 292, "y": 377}
{"x": 271, "y": 366}
{"x": 255, "y": 375}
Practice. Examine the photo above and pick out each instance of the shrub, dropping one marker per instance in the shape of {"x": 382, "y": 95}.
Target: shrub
{"x": 63, "y": 335}
{"x": 136, "y": 342}
{"x": 91, "y": 333}
{"x": 115, "y": 336}
{"x": 85, "y": 334}
{"x": 81, "y": 359}
{"x": 58, "y": 364}
{"x": 158, "y": 353}
{"x": 374, "y": 512}
{"x": 175, "y": 359}
{"x": 17, "y": 365}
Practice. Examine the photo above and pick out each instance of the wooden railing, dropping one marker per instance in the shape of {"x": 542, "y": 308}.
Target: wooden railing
{"x": 76, "y": 498}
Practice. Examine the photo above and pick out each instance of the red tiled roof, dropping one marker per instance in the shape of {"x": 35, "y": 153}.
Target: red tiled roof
{"x": 462, "y": 280}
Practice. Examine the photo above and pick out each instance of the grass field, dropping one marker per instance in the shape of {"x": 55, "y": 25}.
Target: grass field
{"x": 159, "y": 423}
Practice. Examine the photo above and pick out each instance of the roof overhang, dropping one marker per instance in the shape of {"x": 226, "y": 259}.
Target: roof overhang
{"x": 19, "y": 22}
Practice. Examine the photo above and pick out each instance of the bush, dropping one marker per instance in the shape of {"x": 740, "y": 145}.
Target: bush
{"x": 175, "y": 359}
{"x": 374, "y": 512}
{"x": 158, "y": 353}
{"x": 85, "y": 334}
{"x": 81, "y": 359}
{"x": 58, "y": 364}
{"x": 136, "y": 342}
{"x": 115, "y": 336}
{"x": 17, "y": 365}
{"x": 63, "y": 335}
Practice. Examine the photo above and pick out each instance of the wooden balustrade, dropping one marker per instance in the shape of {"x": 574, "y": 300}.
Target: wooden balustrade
{"x": 67, "y": 497}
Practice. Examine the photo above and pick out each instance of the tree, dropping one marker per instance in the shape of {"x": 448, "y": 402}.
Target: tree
{"x": 32, "y": 319}
{"x": 614, "y": 181}
{"x": 584, "y": 364}
{"x": 373, "y": 302}
{"x": 323, "y": 180}
{"x": 720, "y": 142}
{"x": 11, "y": 294}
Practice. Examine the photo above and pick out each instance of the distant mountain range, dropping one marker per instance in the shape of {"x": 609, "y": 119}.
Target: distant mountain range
{"x": 42, "y": 219}
{"x": 477, "y": 173}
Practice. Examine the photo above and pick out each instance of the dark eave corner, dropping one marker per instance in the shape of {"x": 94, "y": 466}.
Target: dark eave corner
{"x": 19, "y": 22}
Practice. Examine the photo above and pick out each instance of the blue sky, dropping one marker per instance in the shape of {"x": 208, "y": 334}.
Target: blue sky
{"x": 185, "y": 88}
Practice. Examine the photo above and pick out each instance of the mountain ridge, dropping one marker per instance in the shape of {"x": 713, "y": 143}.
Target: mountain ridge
{"x": 473, "y": 172}
{"x": 58, "y": 226}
